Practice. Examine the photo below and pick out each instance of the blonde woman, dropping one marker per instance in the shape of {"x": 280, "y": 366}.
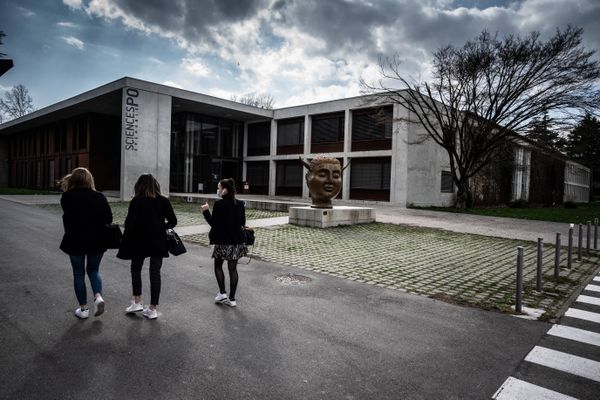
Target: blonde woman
{"x": 148, "y": 217}
{"x": 85, "y": 216}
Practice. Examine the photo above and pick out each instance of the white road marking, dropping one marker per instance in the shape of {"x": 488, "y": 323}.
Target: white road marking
{"x": 568, "y": 363}
{"x": 576, "y": 334}
{"x": 586, "y": 315}
{"x": 592, "y": 288}
{"x": 516, "y": 389}
{"x": 589, "y": 300}
{"x": 597, "y": 278}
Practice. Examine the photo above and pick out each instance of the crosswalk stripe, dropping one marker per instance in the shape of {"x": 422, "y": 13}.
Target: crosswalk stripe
{"x": 581, "y": 314}
{"x": 576, "y": 334}
{"x": 588, "y": 300}
{"x": 516, "y": 389}
{"x": 592, "y": 288}
{"x": 597, "y": 278}
{"x": 565, "y": 362}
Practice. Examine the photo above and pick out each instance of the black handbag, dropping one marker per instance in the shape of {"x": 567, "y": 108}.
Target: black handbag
{"x": 174, "y": 243}
{"x": 249, "y": 236}
{"x": 112, "y": 236}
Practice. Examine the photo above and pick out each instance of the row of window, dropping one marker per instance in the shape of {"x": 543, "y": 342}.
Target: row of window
{"x": 371, "y": 130}
{"x": 60, "y": 137}
{"x": 369, "y": 178}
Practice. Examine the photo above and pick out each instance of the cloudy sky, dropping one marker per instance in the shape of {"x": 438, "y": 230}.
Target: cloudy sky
{"x": 300, "y": 51}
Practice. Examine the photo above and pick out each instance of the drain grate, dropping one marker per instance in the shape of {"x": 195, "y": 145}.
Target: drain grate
{"x": 292, "y": 279}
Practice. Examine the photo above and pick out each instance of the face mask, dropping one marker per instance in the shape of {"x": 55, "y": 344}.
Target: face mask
{"x": 219, "y": 193}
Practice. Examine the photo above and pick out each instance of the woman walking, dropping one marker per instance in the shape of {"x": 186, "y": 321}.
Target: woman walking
{"x": 145, "y": 236}
{"x": 85, "y": 216}
{"x": 226, "y": 222}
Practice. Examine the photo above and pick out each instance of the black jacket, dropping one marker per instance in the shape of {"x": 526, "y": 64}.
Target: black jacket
{"x": 86, "y": 214}
{"x": 226, "y": 221}
{"x": 145, "y": 228}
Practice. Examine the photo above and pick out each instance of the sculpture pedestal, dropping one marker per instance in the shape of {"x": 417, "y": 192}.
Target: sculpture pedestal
{"x": 328, "y": 217}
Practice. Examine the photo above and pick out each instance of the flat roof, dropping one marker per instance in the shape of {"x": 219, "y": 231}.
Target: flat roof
{"x": 107, "y": 99}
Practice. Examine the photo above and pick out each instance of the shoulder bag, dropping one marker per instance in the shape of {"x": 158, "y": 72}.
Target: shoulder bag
{"x": 174, "y": 243}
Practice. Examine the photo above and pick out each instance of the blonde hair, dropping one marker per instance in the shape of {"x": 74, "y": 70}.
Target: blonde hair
{"x": 78, "y": 178}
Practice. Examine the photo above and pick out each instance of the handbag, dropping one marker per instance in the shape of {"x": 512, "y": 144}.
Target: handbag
{"x": 112, "y": 236}
{"x": 174, "y": 243}
{"x": 249, "y": 236}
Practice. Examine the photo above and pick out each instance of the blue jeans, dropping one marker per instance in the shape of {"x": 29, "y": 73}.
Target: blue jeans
{"x": 79, "y": 270}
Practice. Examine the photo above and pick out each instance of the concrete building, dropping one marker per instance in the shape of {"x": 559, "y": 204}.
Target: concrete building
{"x": 190, "y": 141}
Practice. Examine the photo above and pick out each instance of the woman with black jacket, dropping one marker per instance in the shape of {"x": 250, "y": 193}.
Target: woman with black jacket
{"x": 226, "y": 222}
{"x": 86, "y": 214}
{"x": 145, "y": 235}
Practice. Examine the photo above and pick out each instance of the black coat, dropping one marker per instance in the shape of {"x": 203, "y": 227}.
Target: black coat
{"x": 145, "y": 232}
{"x": 86, "y": 214}
{"x": 226, "y": 221}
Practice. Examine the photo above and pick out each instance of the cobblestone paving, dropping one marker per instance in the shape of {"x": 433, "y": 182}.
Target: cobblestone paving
{"x": 456, "y": 267}
{"x": 187, "y": 213}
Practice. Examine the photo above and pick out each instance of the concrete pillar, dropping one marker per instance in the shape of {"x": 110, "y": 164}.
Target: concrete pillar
{"x": 399, "y": 172}
{"x": 245, "y": 152}
{"x": 347, "y": 148}
{"x": 307, "y": 152}
{"x": 272, "y": 163}
{"x": 146, "y": 139}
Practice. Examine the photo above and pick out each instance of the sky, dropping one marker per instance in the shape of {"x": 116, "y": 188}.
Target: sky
{"x": 298, "y": 51}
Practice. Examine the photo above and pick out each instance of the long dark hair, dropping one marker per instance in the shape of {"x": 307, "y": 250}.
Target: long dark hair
{"x": 228, "y": 184}
{"x": 147, "y": 185}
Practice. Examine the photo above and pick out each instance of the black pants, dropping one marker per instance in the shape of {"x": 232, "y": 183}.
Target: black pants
{"x": 136, "y": 277}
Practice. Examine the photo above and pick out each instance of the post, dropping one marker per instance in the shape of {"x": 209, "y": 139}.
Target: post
{"x": 518, "y": 307}
{"x": 579, "y": 242}
{"x": 557, "y": 255}
{"x": 570, "y": 248}
{"x": 595, "y": 233}
{"x": 540, "y": 256}
{"x": 588, "y": 237}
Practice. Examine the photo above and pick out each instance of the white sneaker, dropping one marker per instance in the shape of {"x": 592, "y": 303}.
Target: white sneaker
{"x": 83, "y": 314}
{"x": 230, "y": 303}
{"x": 99, "y": 303}
{"x": 134, "y": 307}
{"x": 221, "y": 297}
{"x": 150, "y": 313}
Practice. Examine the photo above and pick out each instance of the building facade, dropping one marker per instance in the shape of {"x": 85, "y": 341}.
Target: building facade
{"x": 190, "y": 141}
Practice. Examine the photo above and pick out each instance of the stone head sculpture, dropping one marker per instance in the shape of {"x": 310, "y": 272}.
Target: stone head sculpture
{"x": 324, "y": 180}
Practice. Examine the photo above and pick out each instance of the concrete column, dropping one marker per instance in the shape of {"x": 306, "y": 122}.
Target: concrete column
{"x": 347, "y": 148}
{"x": 399, "y": 172}
{"x": 272, "y": 163}
{"x": 307, "y": 152}
{"x": 146, "y": 139}
{"x": 245, "y": 152}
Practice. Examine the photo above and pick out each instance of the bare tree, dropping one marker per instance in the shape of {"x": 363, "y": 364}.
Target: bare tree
{"x": 490, "y": 91}
{"x": 261, "y": 100}
{"x": 17, "y": 102}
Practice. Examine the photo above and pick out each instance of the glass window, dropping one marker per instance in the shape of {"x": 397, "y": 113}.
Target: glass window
{"x": 209, "y": 136}
{"x": 328, "y": 128}
{"x": 259, "y": 139}
{"x": 290, "y": 132}
{"x": 289, "y": 174}
{"x": 447, "y": 182}
{"x": 370, "y": 174}
{"x": 373, "y": 123}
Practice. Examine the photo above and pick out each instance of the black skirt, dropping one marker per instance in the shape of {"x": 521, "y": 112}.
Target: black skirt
{"x": 230, "y": 251}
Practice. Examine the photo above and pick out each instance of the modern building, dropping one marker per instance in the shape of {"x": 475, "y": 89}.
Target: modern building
{"x": 190, "y": 141}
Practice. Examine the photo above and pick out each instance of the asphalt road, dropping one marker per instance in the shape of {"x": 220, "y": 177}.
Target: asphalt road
{"x": 329, "y": 338}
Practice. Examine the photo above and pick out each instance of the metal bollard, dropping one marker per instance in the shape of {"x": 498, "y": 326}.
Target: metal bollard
{"x": 579, "y": 242}
{"x": 588, "y": 237}
{"x": 595, "y": 233}
{"x": 570, "y": 247}
{"x": 518, "y": 306}
{"x": 557, "y": 255}
{"x": 540, "y": 256}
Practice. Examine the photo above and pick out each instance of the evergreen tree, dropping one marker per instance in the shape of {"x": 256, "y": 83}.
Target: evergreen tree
{"x": 584, "y": 146}
{"x": 542, "y": 133}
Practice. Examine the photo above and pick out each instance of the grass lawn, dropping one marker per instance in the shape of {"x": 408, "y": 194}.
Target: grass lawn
{"x": 583, "y": 213}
